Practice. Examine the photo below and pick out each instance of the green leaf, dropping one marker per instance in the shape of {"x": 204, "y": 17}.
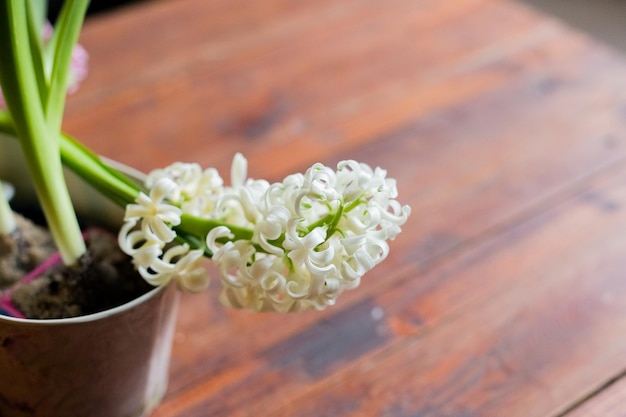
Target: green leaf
{"x": 40, "y": 145}
{"x": 66, "y": 35}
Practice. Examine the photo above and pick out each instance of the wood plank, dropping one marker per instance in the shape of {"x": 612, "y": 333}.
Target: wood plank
{"x": 441, "y": 242}
{"x": 447, "y": 220}
{"x": 484, "y": 130}
{"x": 539, "y": 334}
{"x": 304, "y": 91}
{"x": 607, "y": 402}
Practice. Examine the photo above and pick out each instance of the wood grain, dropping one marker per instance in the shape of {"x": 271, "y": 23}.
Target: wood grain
{"x": 608, "y": 402}
{"x": 505, "y": 132}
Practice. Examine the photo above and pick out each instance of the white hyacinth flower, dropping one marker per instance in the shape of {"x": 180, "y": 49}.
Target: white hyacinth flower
{"x": 157, "y": 216}
{"x": 288, "y": 246}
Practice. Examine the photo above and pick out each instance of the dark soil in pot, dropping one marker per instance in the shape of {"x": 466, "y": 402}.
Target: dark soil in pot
{"x": 23, "y": 250}
{"x": 102, "y": 279}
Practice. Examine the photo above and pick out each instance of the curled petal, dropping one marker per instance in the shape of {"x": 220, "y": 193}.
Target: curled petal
{"x": 299, "y": 288}
{"x": 147, "y": 255}
{"x": 194, "y": 281}
{"x": 393, "y": 218}
{"x": 157, "y": 217}
{"x": 174, "y": 253}
{"x": 217, "y": 233}
{"x": 238, "y": 171}
{"x": 191, "y": 275}
{"x": 184, "y": 179}
{"x": 156, "y": 229}
{"x": 162, "y": 275}
{"x": 271, "y": 229}
{"x": 364, "y": 259}
{"x": 162, "y": 189}
{"x": 137, "y": 211}
{"x": 124, "y": 238}
{"x": 294, "y": 242}
{"x": 273, "y": 284}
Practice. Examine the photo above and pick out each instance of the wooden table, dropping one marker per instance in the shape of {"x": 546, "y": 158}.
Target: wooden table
{"x": 506, "y": 293}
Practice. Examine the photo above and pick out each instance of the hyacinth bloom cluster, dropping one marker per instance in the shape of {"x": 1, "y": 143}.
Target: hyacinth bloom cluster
{"x": 288, "y": 246}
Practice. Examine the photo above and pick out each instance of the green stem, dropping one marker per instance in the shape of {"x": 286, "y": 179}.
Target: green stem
{"x": 35, "y": 27}
{"x": 39, "y": 12}
{"x": 321, "y": 222}
{"x": 40, "y": 145}
{"x": 199, "y": 226}
{"x": 66, "y": 35}
{"x": 87, "y": 165}
{"x": 332, "y": 227}
{"x": 110, "y": 182}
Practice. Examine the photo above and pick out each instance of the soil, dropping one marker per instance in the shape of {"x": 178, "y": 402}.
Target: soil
{"x": 102, "y": 279}
{"x": 23, "y": 250}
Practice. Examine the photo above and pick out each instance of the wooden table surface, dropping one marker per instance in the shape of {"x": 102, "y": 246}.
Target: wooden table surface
{"x": 505, "y": 295}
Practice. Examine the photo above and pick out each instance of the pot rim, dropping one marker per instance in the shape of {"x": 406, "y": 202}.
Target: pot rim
{"x": 133, "y": 173}
{"x": 87, "y": 318}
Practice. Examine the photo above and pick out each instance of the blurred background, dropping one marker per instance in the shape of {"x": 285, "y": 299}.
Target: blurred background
{"x": 95, "y": 6}
{"x": 603, "y": 19}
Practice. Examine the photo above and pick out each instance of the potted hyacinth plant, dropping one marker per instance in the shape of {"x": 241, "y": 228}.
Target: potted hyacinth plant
{"x": 288, "y": 246}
